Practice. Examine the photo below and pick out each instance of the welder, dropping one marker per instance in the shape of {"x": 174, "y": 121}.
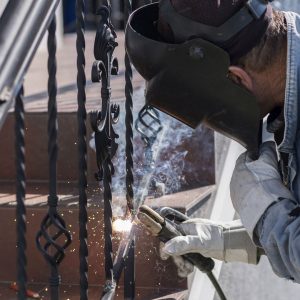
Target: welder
{"x": 228, "y": 64}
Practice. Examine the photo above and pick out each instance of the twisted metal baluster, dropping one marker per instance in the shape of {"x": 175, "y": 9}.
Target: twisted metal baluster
{"x": 129, "y": 121}
{"x": 108, "y": 223}
{"x": 53, "y": 226}
{"x": 21, "y": 210}
{"x": 82, "y": 148}
{"x": 52, "y": 110}
{"x": 129, "y": 270}
{"x": 105, "y": 136}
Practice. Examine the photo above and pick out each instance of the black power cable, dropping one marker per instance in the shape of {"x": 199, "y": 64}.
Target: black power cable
{"x": 204, "y": 264}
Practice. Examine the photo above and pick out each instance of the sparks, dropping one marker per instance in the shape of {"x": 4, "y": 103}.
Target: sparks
{"x": 120, "y": 225}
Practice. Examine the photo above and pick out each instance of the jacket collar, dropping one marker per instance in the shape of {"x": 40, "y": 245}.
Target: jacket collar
{"x": 291, "y": 91}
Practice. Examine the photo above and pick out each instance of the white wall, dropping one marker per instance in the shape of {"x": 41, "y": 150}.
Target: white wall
{"x": 292, "y": 5}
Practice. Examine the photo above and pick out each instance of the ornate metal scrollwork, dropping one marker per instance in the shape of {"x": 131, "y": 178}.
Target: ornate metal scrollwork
{"x": 148, "y": 124}
{"x": 53, "y": 251}
{"x": 102, "y": 122}
{"x": 105, "y": 66}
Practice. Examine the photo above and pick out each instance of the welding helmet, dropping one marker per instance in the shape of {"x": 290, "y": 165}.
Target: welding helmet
{"x": 188, "y": 79}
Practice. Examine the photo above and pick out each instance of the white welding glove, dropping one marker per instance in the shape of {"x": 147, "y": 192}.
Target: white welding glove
{"x": 255, "y": 185}
{"x": 223, "y": 241}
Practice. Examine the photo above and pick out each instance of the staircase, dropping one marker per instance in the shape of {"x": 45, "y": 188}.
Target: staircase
{"x": 191, "y": 155}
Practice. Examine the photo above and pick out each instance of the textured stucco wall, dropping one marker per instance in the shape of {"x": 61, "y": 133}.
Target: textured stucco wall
{"x": 292, "y": 5}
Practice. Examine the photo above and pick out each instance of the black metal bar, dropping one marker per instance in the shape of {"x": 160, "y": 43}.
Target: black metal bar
{"x": 102, "y": 124}
{"x": 108, "y": 247}
{"x": 23, "y": 24}
{"x": 129, "y": 270}
{"x": 52, "y": 145}
{"x": 52, "y": 110}
{"x": 53, "y": 226}
{"x": 82, "y": 148}
{"x": 21, "y": 184}
{"x": 129, "y": 122}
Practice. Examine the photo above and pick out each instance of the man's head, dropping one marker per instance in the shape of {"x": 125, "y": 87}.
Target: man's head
{"x": 210, "y": 72}
{"x": 257, "y": 53}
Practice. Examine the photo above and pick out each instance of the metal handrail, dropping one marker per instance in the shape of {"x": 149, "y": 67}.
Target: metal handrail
{"x": 22, "y": 26}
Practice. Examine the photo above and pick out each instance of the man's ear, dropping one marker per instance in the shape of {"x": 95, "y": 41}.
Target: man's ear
{"x": 240, "y": 76}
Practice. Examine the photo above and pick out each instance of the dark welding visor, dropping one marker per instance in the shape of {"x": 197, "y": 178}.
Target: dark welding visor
{"x": 189, "y": 81}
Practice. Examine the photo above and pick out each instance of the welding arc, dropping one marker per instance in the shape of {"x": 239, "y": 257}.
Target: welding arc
{"x": 122, "y": 252}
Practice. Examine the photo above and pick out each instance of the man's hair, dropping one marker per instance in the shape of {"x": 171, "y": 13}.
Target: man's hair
{"x": 270, "y": 49}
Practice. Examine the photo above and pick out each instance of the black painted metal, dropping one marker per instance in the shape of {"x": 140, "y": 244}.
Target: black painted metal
{"x": 148, "y": 124}
{"x": 82, "y": 148}
{"x": 102, "y": 124}
{"x": 129, "y": 270}
{"x": 129, "y": 121}
{"x": 21, "y": 184}
{"x": 53, "y": 237}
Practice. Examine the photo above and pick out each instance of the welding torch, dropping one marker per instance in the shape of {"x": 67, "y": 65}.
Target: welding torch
{"x": 164, "y": 223}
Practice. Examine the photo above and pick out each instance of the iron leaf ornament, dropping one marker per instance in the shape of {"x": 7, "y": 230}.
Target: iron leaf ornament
{"x": 105, "y": 65}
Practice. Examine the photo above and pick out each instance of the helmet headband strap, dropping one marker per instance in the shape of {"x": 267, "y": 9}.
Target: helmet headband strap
{"x": 185, "y": 29}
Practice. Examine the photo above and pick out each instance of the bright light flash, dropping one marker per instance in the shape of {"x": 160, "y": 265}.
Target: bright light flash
{"x": 120, "y": 225}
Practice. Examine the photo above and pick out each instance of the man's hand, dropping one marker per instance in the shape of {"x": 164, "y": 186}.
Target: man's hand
{"x": 223, "y": 241}
{"x": 255, "y": 185}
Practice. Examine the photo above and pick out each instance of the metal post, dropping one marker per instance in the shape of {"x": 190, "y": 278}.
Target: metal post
{"x": 21, "y": 209}
{"x": 53, "y": 220}
{"x": 129, "y": 271}
{"x": 82, "y": 148}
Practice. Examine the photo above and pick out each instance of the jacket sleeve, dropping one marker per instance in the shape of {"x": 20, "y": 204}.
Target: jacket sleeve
{"x": 278, "y": 232}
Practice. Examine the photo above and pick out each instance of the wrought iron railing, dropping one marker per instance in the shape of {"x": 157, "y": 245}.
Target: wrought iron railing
{"x": 22, "y": 26}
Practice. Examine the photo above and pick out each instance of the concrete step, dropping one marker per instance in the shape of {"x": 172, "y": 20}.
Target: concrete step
{"x": 162, "y": 276}
{"x": 184, "y": 165}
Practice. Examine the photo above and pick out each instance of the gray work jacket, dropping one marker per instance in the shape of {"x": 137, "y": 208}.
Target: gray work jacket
{"x": 278, "y": 230}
